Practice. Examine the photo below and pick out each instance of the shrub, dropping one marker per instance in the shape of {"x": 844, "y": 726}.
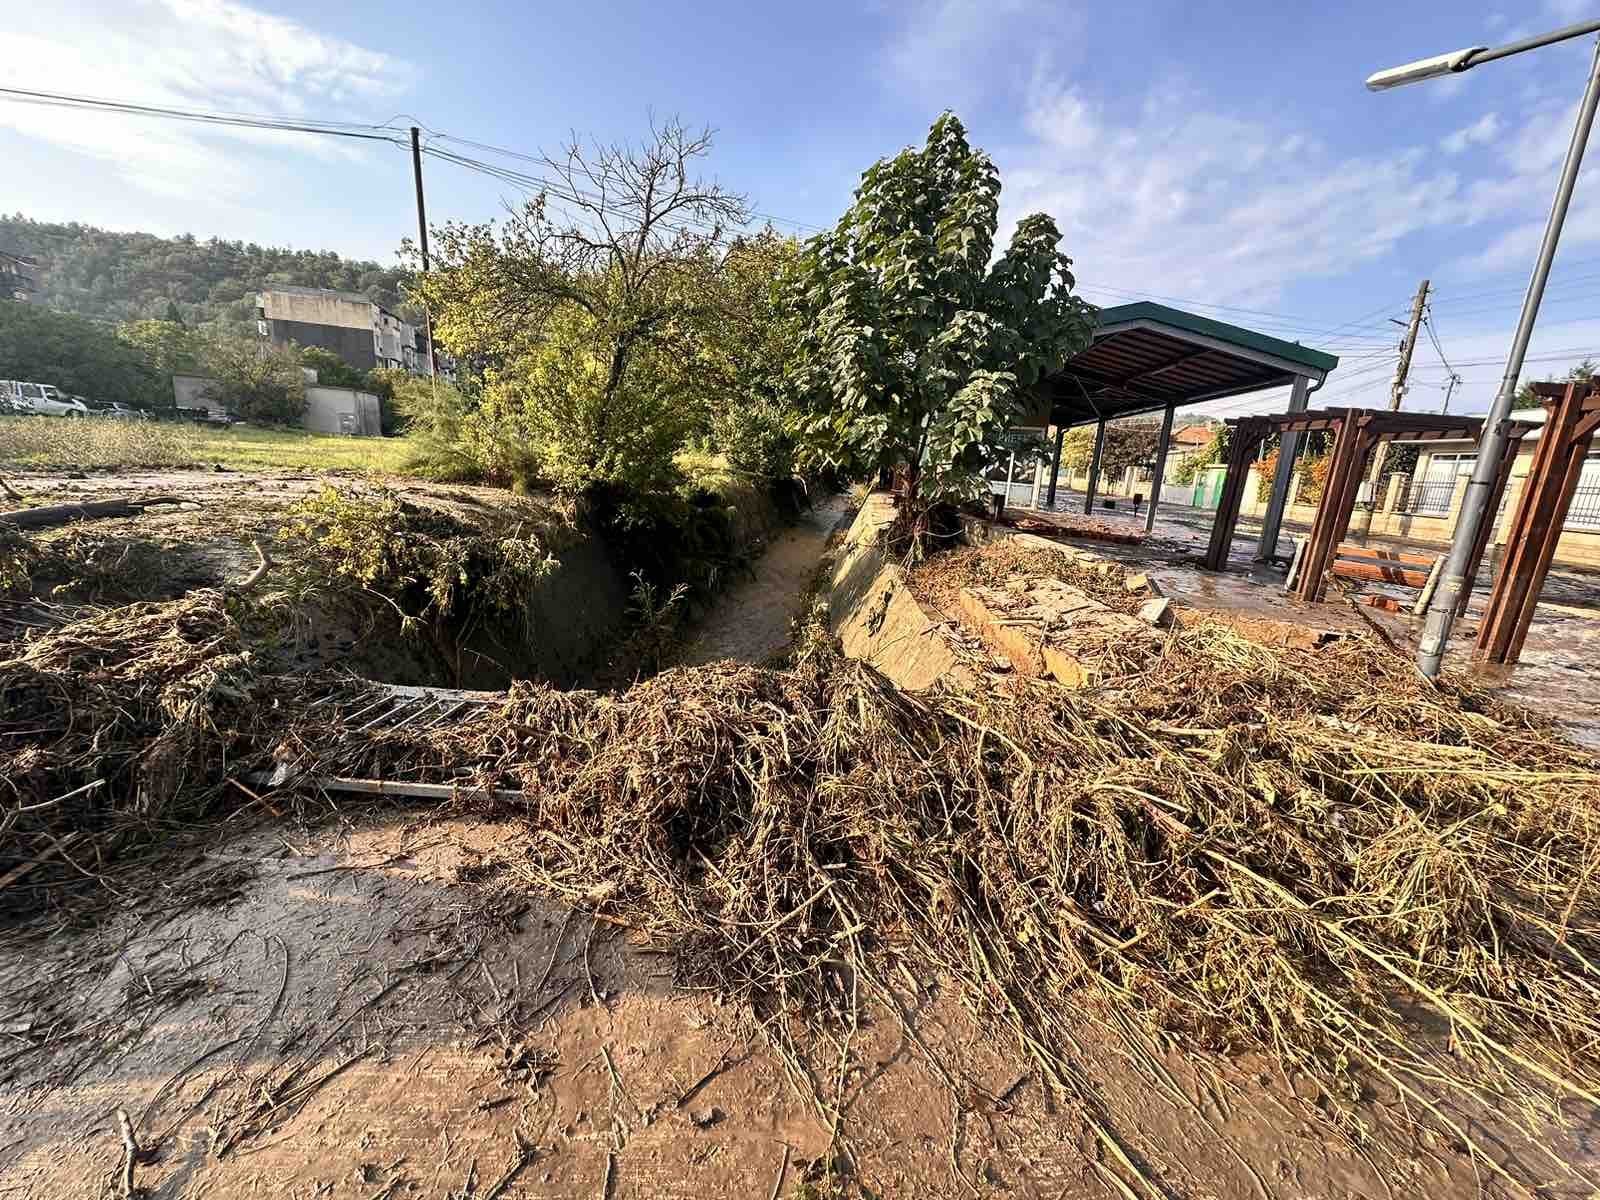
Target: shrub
{"x": 255, "y": 380}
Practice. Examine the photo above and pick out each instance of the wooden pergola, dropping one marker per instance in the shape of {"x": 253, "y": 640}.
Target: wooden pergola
{"x": 1357, "y": 432}
{"x": 1572, "y": 415}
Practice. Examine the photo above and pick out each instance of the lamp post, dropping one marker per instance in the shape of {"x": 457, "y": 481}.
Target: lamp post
{"x": 1475, "y": 505}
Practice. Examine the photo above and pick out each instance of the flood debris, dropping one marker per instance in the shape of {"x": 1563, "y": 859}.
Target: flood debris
{"x": 1309, "y": 853}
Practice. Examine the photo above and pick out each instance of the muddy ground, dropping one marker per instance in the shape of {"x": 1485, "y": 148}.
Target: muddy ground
{"x": 378, "y": 1009}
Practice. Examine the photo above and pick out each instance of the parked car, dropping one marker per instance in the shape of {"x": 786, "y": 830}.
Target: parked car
{"x": 11, "y": 404}
{"x": 46, "y": 399}
{"x": 116, "y": 410}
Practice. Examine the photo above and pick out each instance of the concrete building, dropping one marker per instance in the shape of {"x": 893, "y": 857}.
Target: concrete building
{"x": 341, "y": 410}
{"x": 1186, "y": 443}
{"x": 363, "y": 334}
{"x": 328, "y": 409}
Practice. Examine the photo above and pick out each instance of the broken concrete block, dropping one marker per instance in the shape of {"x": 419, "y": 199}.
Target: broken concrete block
{"x": 1157, "y": 612}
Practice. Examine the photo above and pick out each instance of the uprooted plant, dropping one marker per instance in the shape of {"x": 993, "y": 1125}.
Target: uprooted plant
{"x": 426, "y": 566}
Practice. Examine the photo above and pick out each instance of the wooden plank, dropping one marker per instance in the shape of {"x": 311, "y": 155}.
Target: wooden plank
{"x": 1385, "y": 554}
{"x": 1381, "y": 573}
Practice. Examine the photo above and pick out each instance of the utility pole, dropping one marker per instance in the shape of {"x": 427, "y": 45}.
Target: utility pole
{"x": 1402, "y": 368}
{"x": 422, "y": 235}
{"x": 422, "y": 210}
{"x": 1397, "y": 390}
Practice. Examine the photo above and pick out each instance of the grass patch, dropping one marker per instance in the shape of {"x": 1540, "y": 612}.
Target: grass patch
{"x": 54, "y": 442}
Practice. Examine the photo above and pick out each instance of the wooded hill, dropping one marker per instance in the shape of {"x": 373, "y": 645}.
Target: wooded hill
{"x": 128, "y": 276}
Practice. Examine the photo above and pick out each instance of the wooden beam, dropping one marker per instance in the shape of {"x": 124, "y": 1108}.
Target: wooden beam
{"x": 1541, "y": 513}
{"x": 1241, "y": 448}
{"x": 1385, "y": 554}
{"x": 1379, "y": 572}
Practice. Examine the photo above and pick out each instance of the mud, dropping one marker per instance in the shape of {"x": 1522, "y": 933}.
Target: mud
{"x": 752, "y": 622}
{"x": 380, "y": 1010}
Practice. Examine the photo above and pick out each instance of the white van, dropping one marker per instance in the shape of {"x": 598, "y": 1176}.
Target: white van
{"x": 46, "y": 399}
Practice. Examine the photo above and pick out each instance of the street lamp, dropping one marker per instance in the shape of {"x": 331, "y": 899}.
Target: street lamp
{"x": 1475, "y": 505}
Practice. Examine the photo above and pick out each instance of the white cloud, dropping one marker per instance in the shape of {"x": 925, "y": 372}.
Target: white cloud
{"x": 1179, "y": 199}
{"x": 205, "y": 54}
{"x": 1570, "y": 10}
{"x": 956, "y": 51}
{"x": 1481, "y": 131}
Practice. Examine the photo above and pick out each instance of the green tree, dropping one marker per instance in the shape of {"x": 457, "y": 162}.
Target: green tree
{"x": 581, "y": 313}
{"x": 330, "y": 368}
{"x": 255, "y": 381}
{"x": 747, "y": 343}
{"x": 78, "y": 356}
{"x": 1130, "y": 443}
{"x": 918, "y": 346}
{"x": 168, "y": 346}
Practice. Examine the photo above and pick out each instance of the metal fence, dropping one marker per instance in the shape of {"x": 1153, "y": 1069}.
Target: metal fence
{"x": 1430, "y": 498}
{"x": 1585, "y": 510}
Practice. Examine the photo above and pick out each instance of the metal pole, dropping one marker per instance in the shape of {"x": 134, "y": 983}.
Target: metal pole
{"x": 422, "y": 235}
{"x": 1441, "y": 612}
{"x": 1278, "y": 499}
{"x": 1055, "y": 467}
{"x": 1093, "y": 483}
{"x": 1161, "y": 467}
{"x": 422, "y": 211}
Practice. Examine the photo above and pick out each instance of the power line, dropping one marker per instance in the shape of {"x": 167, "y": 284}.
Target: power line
{"x": 240, "y": 120}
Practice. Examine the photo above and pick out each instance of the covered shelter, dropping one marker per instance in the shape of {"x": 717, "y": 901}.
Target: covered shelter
{"x": 1148, "y": 358}
{"x": 1572, "y": 415}
{"x": 1357, "y": 432}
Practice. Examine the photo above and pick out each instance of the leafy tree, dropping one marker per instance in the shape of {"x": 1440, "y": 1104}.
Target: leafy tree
{"x": 168, "y": 346}
{"x": 330, "y": 368}
{"x": 255, "y": 381}
{"x": 1128, "y": 444}
{"x": 746, "y": 346}
{"x": 917, "y": 344}
{"x": 582, "y": 313}
{"x": 78, "y": 356}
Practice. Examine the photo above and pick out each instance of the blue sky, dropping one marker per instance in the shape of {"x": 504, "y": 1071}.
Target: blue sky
{"x": 1222, "y": 155}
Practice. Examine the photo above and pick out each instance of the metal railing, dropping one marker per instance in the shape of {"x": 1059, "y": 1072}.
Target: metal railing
{"x": 1430, "y": 498}
{"x": 1585, "y": 510}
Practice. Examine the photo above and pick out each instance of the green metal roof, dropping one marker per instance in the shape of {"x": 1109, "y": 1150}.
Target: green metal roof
{"x": 1146, "y": 357}
{"x": 1249, "y": 339}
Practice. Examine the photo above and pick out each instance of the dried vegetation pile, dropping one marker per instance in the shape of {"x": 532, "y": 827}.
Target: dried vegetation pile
{"x": 1311, "y": 853}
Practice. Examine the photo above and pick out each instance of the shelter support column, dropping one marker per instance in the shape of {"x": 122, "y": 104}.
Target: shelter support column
{"x": 1161, "y": 466}
{"x": 1094, "y": 466}
{"x": 1272, "y": 519}
{"x": 1055, "y": 467}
